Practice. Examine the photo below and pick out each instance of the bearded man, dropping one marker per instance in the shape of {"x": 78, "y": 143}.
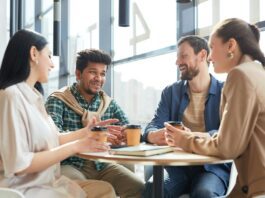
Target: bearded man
{"x": 194, "y": 100}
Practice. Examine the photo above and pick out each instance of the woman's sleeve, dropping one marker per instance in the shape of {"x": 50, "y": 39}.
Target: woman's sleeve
{"x": 15, "y": 136}
{"x": 240, "y": 113}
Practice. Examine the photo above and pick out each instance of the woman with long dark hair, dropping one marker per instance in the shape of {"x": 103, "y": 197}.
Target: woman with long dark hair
{"x": 30, "y": 145}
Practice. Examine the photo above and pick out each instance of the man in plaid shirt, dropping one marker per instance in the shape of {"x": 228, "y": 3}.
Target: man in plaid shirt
{"x": 91, "y": 67}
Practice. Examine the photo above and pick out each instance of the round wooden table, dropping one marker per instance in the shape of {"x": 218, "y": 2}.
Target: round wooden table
{"x": 176, "y": 158}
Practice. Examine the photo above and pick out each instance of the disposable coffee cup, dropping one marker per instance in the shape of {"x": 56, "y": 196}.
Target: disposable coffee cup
{"x": 99, "y": 132}
{"x": 133, "y": 134}
{"x": 176, "y": 124}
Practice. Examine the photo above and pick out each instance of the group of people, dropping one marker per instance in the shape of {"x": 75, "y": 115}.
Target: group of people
{"x": 221, "y": 119}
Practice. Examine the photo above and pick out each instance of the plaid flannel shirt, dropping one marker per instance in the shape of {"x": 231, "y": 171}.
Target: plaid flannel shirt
{"x": 68, "y": 120}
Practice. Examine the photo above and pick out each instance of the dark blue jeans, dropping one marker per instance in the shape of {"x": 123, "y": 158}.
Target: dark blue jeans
{"x": 193, "y": 180}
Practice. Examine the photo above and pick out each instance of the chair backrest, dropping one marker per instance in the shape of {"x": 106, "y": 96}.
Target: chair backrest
{"x": 10, "y": 193}
{"x": 232, "y": 180}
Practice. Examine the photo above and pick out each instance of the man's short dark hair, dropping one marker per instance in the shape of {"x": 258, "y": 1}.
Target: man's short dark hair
{"x": 196, "y": 42}
{"x": 88, "y": 56}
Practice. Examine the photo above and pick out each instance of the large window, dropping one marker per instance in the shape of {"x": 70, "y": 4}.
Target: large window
{"x": 29, "y": 14}
{"x": 152, "y": 26}
{"x": 4, "y": 26}
{"x": 83, "y": 33}
{"x": 210, "y": 12}
{"x": 261, "y": 11}
{"x": 47, "y": 21}
{"x": 47, "y": 31}
{"x": 138, "y": 85}
{"x": 205, "y": 17}
{"x": 83, "y": 27}
{"x": 235, "y": 8}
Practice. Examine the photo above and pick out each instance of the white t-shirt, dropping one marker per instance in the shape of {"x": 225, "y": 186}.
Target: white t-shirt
{"x": 25, "y": 129}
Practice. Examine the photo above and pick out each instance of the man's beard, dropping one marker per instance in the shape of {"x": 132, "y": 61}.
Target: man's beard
{"x": 189, "y": 74}
{"x": 90, "y": 92}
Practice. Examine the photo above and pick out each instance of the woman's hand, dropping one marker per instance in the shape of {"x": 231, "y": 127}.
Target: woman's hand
{"x": 173, "y": 135}
{"x": 113, "y": 131}
{"x": 116, "y": 134}
{"x": 95, "y": 122}
{"x": 90, "y": 144}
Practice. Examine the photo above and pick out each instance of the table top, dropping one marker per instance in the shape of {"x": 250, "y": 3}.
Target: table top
{"x": 176, "y": 158}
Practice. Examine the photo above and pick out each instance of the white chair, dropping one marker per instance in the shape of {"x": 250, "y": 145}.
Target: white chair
{"x": 232, "y": 180}
{"x": 10, "y": 193}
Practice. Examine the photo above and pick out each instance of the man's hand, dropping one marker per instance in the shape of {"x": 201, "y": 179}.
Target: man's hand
{"x": 157, "y": 137}
{"x": 116, "y": 135}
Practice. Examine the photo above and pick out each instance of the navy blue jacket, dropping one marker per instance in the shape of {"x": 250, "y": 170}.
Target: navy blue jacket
{"x": 174, "y": 101}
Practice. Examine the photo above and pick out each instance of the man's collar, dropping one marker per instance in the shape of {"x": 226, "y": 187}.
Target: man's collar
{"x": 75, "y": 92}
{"x": 186, "y": 87}
{"x": 213, "y": 85}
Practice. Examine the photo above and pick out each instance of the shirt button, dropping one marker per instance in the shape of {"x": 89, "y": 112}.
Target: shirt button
{"x": 245, "y": 189}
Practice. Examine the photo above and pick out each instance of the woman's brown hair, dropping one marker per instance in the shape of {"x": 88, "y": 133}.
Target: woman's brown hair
{"x": 246, "y": 35}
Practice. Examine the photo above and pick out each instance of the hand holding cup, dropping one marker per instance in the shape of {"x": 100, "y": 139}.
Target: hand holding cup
{"x": 168, "y": 136}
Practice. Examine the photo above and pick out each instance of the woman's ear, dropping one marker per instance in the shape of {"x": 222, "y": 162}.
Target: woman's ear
{"x": 232, "y": 43}
{"x": 33, "y": 54}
